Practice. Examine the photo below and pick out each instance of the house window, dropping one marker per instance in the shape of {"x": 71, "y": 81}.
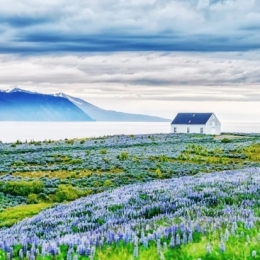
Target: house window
{"x": 188, "y": 129}
{"x": 175, "y": 129}
{"x": 201, "y": 130}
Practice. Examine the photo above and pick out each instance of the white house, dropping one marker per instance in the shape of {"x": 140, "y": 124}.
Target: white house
{"x": 199, "y": 123}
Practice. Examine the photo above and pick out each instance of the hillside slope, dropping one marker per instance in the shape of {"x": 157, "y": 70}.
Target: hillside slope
{"x": 100, "y": 114}
{"x": 179, "y": 218}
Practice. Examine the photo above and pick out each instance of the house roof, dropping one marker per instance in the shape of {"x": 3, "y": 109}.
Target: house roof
{"x": 191, "y": 118}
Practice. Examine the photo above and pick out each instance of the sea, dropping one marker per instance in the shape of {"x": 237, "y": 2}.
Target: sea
{"x": 40, "y": 131}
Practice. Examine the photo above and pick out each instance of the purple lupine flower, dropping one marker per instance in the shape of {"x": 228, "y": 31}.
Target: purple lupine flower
{"x": 190, "y": 237}
{"x": 161, "y": 256}
{"x": 81, "y": 249}
{"x": 165, "y": 246}
{"x": 222, "y": 246}
{"x": 8, "y": 256}
{"x": 208, "y": 248}
{"x": 158, "y": 243}
{"x": 226, "y": 235}
{"x": 234, "y": 228}
{"x": 136, "y": 251}
{"x": 178, "y": 239}
{"x": 20, "y": 254}
{"x": 184, "y": 238}
{"x": 145, "y": 242}
{"x": 253, "y": 253}
{"x": 172, "y": 242}
{"x": 69, "y": 254}
{"x": 28, "y": 255}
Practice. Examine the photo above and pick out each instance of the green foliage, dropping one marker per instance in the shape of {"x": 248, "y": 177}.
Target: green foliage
{"x": 12, "y": 215}
{"x": 163, "y": 158}
{"x": 75, "y": 161}
{"x": 226, "y": 140}
{"x": 144, "y": 196}
{"x": 114, "y": 208}
{"x": 108, "y": 183}
{"x": 21, "y": 188}
{"x": 103, "y": 151}
{"x": 37, "y": 143}
{"x": 69, "y": 141}
{"x": 32, "y": 199}
{"x": 158, "y": 173}
{"x": 123, "y": 156}
{"x": 66, "y": 193}
{"x": 106, "y": 160}
{"x": 18, "y": 163}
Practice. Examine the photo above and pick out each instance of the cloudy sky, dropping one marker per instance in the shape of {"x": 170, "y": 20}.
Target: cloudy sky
{"x": 157, "y": 57}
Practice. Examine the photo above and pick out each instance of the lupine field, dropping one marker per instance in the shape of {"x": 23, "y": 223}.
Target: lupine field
{"x": 131, "y": 197}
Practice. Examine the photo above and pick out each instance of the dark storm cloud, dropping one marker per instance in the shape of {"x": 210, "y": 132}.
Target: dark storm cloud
{"x": 24, "y": 21}
{"x": 109, "y": 26}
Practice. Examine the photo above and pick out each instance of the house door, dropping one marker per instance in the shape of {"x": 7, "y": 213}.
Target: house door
{"x": 213, "y": 131}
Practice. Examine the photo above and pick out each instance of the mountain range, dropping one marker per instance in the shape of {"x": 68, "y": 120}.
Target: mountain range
{"x": 22, "y": 105}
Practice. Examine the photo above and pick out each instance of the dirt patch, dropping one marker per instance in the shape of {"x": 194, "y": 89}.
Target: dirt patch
{"x": 221, "y": 137}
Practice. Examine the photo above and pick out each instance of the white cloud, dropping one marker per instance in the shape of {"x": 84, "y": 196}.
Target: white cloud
{"x": 137, "y": 81}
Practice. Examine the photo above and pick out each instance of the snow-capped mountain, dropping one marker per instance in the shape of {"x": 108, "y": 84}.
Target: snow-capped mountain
{"x": 20, "y": 104}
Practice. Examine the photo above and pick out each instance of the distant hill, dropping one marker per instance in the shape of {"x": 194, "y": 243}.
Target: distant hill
{"x": 20, "y": 105}
{"x": 100, "y": 114}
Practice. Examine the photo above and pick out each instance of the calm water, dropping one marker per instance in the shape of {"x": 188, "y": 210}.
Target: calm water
{"x": 38, "y": 131}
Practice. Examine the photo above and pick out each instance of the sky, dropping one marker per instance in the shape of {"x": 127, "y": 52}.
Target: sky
{"x": 157, "y": 57}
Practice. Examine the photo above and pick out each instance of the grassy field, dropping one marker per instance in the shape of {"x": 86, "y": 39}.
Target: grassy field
{"x": 13, "y": 215}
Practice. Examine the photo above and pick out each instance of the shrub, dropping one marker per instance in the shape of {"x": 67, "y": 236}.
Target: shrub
{"x": 70, "y": 142}
{"x": 108, "y": 183}
{"x": 225, "y": 140}
{"x": 65, "y": 193}
{"x": 106, "y": 160}
{"x": 76, "y": 161}
{"x": 18, "y": 163}
{"x": 158, "y": 173}
{"x": 22, "y": 188}
{"x": 123, "y": 156}
{"x": 163, "y": 158}
{"x": 32, "y": 199}
{"x": 103, "y": 151}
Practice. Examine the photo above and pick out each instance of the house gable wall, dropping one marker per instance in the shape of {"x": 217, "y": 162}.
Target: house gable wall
{"x": 213, "y": 125}
{"x": 193, "y": 128}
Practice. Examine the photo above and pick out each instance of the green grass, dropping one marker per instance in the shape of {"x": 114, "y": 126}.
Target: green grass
{"x": 237, "y": 247}
{"x": 12, "y": 215}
